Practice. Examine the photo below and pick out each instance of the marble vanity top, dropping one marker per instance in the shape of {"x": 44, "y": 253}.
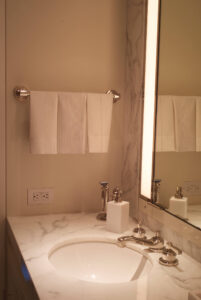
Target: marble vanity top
{"x": 37, "y": 235}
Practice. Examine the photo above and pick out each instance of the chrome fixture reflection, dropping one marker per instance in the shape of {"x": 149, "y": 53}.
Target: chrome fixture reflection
{"x": 22, "y": 93}
{"x": 156, "y": 190}
{"x": 116, "y": 95}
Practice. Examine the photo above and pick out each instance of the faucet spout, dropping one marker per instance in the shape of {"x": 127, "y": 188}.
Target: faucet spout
{"x": 126, "y": 238}
{"x": 154, "y": 242}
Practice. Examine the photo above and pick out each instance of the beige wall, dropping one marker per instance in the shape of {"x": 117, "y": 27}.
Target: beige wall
{"x": 180, "y": 48}
{"x": 2, "y": 146}
{"x": 65, "y": 45}
{"x": 179, "y": 74}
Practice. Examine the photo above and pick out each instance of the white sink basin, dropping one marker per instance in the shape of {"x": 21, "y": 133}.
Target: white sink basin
{"x": 99, "y": 261}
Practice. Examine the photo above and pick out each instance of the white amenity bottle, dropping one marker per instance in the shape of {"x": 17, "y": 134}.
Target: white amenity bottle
{"x": 117, "y": 213}
{"x": 178, "y": 203}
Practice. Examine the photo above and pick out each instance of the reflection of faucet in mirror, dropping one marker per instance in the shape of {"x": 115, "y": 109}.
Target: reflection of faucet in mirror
{"x": 156, "y": 190}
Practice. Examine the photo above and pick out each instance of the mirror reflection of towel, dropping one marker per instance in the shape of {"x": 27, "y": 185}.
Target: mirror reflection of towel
{"x": 185, "y": 123}
{"x": 165, "y": 127}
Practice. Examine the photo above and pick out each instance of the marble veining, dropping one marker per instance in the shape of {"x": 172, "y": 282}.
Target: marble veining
{"x": 37, "y": 235}
{"x": 136, "y": 33}
{"x": 133, "y": 104}
{"x": 194, "y": 215}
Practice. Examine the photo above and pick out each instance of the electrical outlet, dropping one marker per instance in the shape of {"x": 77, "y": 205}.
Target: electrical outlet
{"x": 191, "y": 188}
{"x": 40, "y": 196}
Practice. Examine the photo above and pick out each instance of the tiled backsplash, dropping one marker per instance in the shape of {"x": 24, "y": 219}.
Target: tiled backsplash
{"x": 181, "y": 234}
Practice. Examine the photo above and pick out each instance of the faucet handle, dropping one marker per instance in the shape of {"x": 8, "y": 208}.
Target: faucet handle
{"x": 116, "y": 195}
{"x": 169, "y": 257}
{"x": 140, "y": 221}
{"x": 171, "y": 246}
{"x": 157, "y": 236}
{"x": 139, "y": 232}
{"x": 104, "y": 184}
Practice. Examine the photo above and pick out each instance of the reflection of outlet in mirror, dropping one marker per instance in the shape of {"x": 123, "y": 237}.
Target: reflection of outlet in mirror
{"x": 192, "y": 188}
{"x": 39, "y": 196}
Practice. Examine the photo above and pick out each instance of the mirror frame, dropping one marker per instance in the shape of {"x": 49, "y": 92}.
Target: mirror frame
{"x": 150, "y": 105}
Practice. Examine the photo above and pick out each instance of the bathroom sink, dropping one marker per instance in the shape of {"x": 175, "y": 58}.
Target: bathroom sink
{"x": 99, "y": 261}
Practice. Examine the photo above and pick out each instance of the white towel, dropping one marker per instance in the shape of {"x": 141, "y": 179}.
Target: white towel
{"x": 43, "y": 122}
{"x": 185, "y": 123}
{"x": 72, "y": 123}
{"x": 198, "y": 123}
{"x": 99, "y": 116}
{"x": 165, "y": 126}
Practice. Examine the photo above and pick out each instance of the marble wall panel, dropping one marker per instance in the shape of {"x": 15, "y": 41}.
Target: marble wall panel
{"x": 136, "y": 33}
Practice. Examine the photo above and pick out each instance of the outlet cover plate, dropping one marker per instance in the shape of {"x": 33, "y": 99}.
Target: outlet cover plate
{"x": 191, "y": 188}
{"x": 40, "y": 196}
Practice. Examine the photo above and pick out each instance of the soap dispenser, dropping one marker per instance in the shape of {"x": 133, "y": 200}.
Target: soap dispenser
{"x": 178, "y": 203}
{"x": 117, "y": 213}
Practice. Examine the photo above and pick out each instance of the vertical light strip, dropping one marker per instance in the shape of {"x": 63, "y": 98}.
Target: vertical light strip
{"x": 149, "y": 98}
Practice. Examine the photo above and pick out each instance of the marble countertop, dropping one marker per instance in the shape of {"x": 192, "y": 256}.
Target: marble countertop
{"x": 194, "y": 215}
{"x": 37, "y": 235}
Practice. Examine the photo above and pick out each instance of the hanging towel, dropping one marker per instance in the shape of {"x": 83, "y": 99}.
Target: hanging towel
{"x": 185, "y": 123}
{"x": 43, "y": 122}
{"x": 165, "y": 126}
{"x": 198, "y": 123}
{"x": 72, "y": 123}
{"x": 99, "y": 116}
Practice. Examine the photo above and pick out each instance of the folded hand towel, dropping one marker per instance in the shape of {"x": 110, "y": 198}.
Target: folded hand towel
{"x": 185, "y": 123}
{"x": 72, "y": 123}
{"x": 99, "y": 113}
{"x": 43, "y": 122}
{"x": 198, "y": 123}
{"x": 165, "y": 126}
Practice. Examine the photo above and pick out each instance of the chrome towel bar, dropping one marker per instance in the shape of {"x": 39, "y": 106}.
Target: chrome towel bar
{"x": 22, "y": 93}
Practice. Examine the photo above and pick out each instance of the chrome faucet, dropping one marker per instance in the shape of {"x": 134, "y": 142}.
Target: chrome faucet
{"x": 105, "y": 198}
{"x": 155, "y": 243}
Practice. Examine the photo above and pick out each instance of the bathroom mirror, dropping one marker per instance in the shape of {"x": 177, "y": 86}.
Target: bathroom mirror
{"x": 176, "y": 159}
